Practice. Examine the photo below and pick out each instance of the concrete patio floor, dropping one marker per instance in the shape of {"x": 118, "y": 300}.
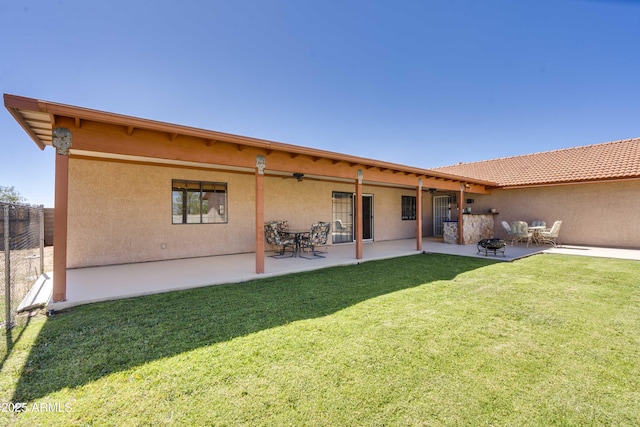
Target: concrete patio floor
{"x": 94, "y": 284}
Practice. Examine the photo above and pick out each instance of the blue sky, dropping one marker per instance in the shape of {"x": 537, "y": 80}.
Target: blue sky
{"x": 423, "y": 83}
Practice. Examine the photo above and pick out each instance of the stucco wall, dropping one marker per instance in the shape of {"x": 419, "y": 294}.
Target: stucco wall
{"x": 387, "y": 219}
{"x": 599, "y": 214}
{"x": 121, "y": 212}
{"x": 303, "y": 203}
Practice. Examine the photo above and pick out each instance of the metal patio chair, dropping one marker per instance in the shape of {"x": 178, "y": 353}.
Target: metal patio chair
{"x": 520, "y": 232}
{"x": 278, "y": 239}
{"x": 551, "y": 235}
{"x": 317, "y": 239}
{"x": 507, "y": 229}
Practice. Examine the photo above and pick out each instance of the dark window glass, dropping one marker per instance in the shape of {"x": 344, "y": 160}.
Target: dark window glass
{"x": 195, "y": 202}
{"x": 408, "y": 208}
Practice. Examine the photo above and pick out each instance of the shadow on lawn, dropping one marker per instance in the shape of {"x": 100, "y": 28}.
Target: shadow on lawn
{"x": 10, "y": 341}
{"x": 95, "y": 340}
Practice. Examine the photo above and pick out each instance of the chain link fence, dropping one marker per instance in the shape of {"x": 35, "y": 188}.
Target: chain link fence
{"x": 22, "y": 255}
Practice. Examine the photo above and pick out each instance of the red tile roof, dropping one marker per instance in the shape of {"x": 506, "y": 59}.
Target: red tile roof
{"x": 608, "y": 161}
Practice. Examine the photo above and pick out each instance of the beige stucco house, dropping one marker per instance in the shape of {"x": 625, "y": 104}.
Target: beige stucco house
{"x": 123, "y": 185}
{"x": 125, "y": 188}
{"x": 594, "y": 190}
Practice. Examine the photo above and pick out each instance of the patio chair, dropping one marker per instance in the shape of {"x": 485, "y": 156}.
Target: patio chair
{"x": 551, "y": 235}
{"x": 538, "y": 223}
{"x": 317, "y": 238}
{"x": 520, "y": 232}
{"x": 507, "y": 229}
{"x": 283, "y": 226}
{"x": 279, "y": 240}
{"x": 268, "y": 236}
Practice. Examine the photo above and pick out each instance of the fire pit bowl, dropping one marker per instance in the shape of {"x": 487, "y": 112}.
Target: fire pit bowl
{"x": 494, "y": 245}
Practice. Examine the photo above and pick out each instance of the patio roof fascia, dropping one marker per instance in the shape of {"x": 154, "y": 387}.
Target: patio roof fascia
{"x": 16, "y": 105}
{"x": 53, "y": 112}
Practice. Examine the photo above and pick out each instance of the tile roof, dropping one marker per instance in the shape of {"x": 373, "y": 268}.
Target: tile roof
{"x": 607, "y": 161}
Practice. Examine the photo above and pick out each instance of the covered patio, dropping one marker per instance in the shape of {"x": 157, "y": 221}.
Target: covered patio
{"x": 94, "y": 284}
{"x": 144, "y": 206}
{"x": 186, "y": 177}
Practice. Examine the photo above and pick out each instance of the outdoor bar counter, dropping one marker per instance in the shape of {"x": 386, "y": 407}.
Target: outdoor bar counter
{"x": 475, "y": 227}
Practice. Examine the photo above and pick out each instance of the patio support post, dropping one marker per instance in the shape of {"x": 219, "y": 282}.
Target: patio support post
{"x": 358, "y": 214}
{"x": 460, "y": 216}
{"x": 62, "y": 143}
{"x": 419, "y": 216}
{"x": 260, "y": 165}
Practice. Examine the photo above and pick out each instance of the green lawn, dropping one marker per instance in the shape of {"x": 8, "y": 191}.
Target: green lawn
{"x": 421, "y": 340}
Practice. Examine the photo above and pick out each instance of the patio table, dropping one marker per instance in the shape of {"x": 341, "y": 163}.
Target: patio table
{"x": 536, "y": 233}
{"x": 298, "y": 235}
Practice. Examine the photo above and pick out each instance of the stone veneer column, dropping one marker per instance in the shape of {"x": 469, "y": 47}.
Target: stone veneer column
{"x": 477, "y": 227}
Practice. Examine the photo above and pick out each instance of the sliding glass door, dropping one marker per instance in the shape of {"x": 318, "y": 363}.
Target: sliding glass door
{"x": 343, "y": 217}
{"x": 342, "y": 227}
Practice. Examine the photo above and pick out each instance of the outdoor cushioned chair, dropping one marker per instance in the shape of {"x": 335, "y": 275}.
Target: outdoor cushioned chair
{"x": 283, "y": 226}
{"x": 507, "y": 229}
{"x": 340, "y": 226}
{"x": 269, "y": 235}
{"x": 520, "y": 232}
{"x": 538, "y": 223}
{"x": 317, "y": 238}
{"x": 275, "y": 237}
{"x": 551, "y": 235}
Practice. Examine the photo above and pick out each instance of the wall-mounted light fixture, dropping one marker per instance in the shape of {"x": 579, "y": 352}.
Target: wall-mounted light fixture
{"x": 298, "y": 176}
{"x": 432, "y": 190}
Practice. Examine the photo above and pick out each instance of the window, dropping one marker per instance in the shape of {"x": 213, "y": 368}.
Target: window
{"x": 195, "y": 202}
{"x": 408, "y": 207}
